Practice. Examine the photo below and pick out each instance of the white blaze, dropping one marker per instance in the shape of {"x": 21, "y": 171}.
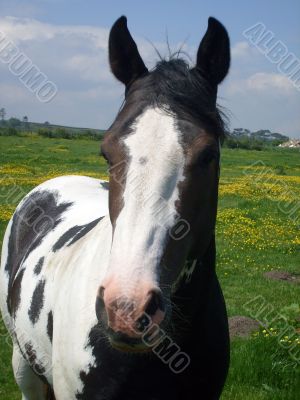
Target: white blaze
{"x": 156, "y": 162}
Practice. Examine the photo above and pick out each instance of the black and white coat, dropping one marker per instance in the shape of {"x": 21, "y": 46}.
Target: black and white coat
{"x": 55, "y": 252}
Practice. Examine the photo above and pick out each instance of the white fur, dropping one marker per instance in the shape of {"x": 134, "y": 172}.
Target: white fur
{"x": 156, "y": 163}
{"x": 73, "y": 275}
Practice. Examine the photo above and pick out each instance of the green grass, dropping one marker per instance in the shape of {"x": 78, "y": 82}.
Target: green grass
{"x": 261, "y": 370}
{"x": 254, "y": 235}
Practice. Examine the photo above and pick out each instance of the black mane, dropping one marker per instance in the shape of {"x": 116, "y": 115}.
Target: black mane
{"x": 173, "y": 86}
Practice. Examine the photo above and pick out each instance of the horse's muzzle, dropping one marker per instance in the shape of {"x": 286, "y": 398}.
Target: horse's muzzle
{"x": 126, "y": 319}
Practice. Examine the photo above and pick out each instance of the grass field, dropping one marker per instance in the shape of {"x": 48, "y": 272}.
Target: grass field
{"x": 257, "y": 231}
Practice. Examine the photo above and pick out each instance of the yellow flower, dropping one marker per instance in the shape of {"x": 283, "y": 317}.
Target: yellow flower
{"x": 6, "y": 212}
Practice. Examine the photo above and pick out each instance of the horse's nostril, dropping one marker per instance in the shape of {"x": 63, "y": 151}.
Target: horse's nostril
{"x": 155, "y": 303}
{"x": 143, "y": 323}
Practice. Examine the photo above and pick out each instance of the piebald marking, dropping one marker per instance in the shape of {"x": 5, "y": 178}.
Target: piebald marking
{"x": 156, "y": 163}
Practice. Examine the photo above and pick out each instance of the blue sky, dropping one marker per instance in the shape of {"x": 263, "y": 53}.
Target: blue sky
{"x": 67, "y": 40}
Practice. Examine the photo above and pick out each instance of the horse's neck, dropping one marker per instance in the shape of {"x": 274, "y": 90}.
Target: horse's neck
{"x": 192, "y": 290}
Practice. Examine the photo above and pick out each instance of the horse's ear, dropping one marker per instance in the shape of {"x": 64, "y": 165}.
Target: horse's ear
{"x": 125, "y": 61}
{"x": 213, "y": 57}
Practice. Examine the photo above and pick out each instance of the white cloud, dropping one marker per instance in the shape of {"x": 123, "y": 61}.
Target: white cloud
{"x": 89, "y": 67}
{"x": 262, "y": 81}
{"x": 28, "y": 29}
{"x": 243, "y": 52}
{"x": 240, "y": 49}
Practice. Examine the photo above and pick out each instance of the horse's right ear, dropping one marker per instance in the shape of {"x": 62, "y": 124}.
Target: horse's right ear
{"x": 213, "y": 57}
{"x": 125, "y": 61}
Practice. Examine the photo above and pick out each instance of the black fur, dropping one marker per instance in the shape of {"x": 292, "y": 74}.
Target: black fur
{"x": 73, "y": 234}
{"x": 50, "y": 326}
{"x": 213, "y": 57}
{"x": 37, "y": 302}
{"x": 15, "y": 293}
{"x": 39, "y": 266}
{"x": 177, "y": 89}
{"x": 66, "y": 237}
{"x": 84, "y": 230}
{"x": 125, "y": 61}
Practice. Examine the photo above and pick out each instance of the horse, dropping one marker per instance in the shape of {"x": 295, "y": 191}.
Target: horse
{"x": 109, "y": 289}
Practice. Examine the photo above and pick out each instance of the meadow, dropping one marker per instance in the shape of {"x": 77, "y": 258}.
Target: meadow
{"x": 257, "y": 232}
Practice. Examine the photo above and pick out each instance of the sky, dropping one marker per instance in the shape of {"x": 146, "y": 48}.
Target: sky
{"x": 67, "y": 41}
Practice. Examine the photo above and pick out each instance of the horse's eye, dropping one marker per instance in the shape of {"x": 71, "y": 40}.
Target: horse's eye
{"x": 206, "y": 157}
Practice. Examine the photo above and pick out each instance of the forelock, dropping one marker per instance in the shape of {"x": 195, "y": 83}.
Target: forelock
{"x": 180, "y": 91}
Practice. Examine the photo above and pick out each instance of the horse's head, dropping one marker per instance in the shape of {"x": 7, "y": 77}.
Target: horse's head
{"x": 163, "y": 153}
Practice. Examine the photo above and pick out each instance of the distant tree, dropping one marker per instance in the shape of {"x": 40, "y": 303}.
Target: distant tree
{"x": 63, "y": 133}
{"x": 2, "y": 114}
{"x": 47, "y": 123}
{"x": 14, "y": 122}
{"x": 25, "y": 123}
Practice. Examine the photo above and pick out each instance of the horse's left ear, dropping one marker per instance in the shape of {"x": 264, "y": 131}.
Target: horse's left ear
{"x": 213, "y": 56}
{"x": 125, "y": 60}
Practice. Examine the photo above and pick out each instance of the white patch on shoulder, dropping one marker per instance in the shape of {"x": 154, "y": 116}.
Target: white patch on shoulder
{"x": 82, "y": 190}
{"x": 78, "y": 270}
{"x": 156, "y": 165}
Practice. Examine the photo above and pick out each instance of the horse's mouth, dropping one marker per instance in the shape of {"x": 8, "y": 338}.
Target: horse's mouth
{"x": 136, "y": 347}
{"x": 127, "y": 344}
